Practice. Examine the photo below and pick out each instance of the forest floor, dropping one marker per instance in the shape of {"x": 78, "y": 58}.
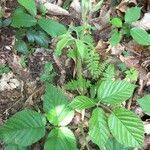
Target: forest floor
{"x": 20, "y": 85}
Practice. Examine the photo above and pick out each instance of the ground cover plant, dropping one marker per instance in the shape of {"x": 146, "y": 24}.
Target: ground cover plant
{"x": 90, "y": 94}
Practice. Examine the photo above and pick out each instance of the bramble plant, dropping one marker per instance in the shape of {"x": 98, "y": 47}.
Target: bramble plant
{"x": 122, "y": 28}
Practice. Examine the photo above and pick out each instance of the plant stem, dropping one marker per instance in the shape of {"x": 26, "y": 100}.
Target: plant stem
{"x": 105, "y": 107}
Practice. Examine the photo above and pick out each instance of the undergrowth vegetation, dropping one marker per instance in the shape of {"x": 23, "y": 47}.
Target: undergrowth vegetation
{"x": 111, "y": 126}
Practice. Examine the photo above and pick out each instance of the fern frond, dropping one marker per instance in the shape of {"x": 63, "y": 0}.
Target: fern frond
{"x": 103, "y": 66}
{"x": 80, "y": 83}
{"x": 93, "y": 64}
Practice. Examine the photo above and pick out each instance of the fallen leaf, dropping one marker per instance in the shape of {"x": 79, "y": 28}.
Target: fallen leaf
{"x": 55, "y": 9}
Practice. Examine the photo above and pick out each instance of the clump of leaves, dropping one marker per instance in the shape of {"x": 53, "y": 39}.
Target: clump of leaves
{"x": 27, "y": 127}
{"x": 108, "y": 119}
{"x": 24, "y": 18}
{"x": 122, "y": 28}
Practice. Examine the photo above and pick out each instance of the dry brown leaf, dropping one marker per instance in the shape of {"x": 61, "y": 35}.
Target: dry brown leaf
{"x": 55, "y": 9}
{"x": 134, "y": 47}
{"x": 103, "y": 19}
{"x": 75, "y": 8}
{"x": 117, "y": 50}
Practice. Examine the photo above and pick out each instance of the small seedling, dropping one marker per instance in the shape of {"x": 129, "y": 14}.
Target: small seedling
{"x": 124, "y": 28}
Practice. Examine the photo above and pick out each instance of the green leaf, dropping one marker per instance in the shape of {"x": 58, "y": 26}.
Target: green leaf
{"x": 116, "y": 37}
{"x": 21, "y": 47}
{"x": 144, "y": 103}
{"x": 24, "y": 128}
{"x": 52, "y": 27}
{"x": 81, "y": 48}
{"x": 60, "y": 138}
{"x": 56, "y": 106}
{"x": 113, "y": 144}
{"x": 15, "y": 147}
{"x": 60, "y": 45}
{"x": 132, "y": 14}
{"x": 116, "y": 22}
{"x": 131, "y": 75}
{"x": 21, "y": 19}
{"x": 127, "y": 128}
{"x": 115, "y": 92}
{"x": 140, "y": 36}
{"x": 109, "y": 72}
{"x": 29, "y": 5}
{"x": 82, "y": 102}
{"x": 98, "y": 127}
{"x": 39, "y": 37}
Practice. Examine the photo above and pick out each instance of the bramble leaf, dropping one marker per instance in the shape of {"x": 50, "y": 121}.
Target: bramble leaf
{"x": 98, "y": 127}
{"x": 60, "y": 138}
{"x": 144, "y": 103}
{"x": 126, "y": 127}
{"x": 113, "y": 144}
{"x": 115, "y": 92}
{"x": 56, "y": 106}
{"x": 24, "y": 128}
{"x": 82, "y": 102}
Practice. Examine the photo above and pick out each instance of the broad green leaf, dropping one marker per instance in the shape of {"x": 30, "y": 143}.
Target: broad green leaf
{"x": 113, "y": 144}
{"x": 81, "y": 48}
{"x": 140, "y": 36}
{"x": 126, "y": 127}
{"x": 144, "y": 103}
{"x": 116, "y": 22}
{"x": 60, "y": 139}
{"x": 115, "y": 92}
{"x": 82, "y": 102}
{"x": 21, "y": 47}
{"x": 115, "y": 38}
{"x": 22, "y": 19}
{"x": 98, "y": 127}
{"x": 15, "y": 147}
{"x": 52, "y": 27}
{"x": 56, "y": 107}
{"x": 38, "y": 37}
{"x": 132, "y": 14}
{"x": 29, "y": 5}
{"x": 60, "y": 45}
{"x": 24, "y": 128}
